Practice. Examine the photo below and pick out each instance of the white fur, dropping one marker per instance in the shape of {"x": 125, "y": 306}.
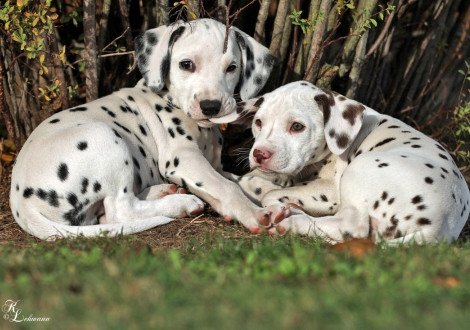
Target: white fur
{"x": 105, "y": 166}
{"x": 358, "y": 174}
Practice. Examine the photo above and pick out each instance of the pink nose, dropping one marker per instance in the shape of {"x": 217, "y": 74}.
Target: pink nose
{"x": 261, "y": 155}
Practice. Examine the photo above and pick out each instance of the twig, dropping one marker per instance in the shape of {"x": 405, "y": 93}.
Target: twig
{"x": 16, "y": 59}
{"x": 189, "y": 224}
{"x": 117, "y": 54}
{"x": 108, "y": 45}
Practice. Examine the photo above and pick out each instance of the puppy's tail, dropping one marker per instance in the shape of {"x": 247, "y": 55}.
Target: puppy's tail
{"x": 43, "y": 228}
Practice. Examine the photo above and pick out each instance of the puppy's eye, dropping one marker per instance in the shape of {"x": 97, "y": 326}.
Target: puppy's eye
{"x": 297, "y": 127}
{"x": 258, "y": 123}
{"x": 231, "y": 68}
{"x": 187, "y": 66}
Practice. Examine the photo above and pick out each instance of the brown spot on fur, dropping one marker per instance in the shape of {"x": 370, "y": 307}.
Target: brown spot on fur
{"x": 259, "y": 102}
{"x": 323, "y": 104}
{"x": 342, "y": 141}
{"x": 352, "y": 112}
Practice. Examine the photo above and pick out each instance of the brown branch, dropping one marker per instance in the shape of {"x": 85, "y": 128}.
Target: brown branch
{"x": 126, "y": 25}
{"x": 261, "y": 21}
{"x": 16, "y": 59}
{"x": 6, "y": 114}
{"x": 234, "y": 17}
{"x": 290, "y": 64}
{"x": 59, "y": 70}
{"x": 90, "y": 47}
{"x": 278, "y": 29}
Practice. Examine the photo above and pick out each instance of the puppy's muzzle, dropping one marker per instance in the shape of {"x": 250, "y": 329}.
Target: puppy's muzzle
{"x": 210, "y": 108}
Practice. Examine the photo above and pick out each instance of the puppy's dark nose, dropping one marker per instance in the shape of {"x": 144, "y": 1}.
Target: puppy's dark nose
{"x": 210, "y": 107}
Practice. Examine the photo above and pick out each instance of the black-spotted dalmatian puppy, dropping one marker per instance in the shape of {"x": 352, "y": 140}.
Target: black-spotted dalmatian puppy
{"x": 105, "y": 166}
{"x": 355, "y": 172}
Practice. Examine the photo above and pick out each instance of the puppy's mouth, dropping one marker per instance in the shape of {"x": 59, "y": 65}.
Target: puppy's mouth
{"x": 205, "y": 123}
{"x": 265, "y": 170}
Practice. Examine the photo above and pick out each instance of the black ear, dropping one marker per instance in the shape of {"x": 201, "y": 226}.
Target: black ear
{"x": 153, "y": 53}
{"x": 257, "y": 64}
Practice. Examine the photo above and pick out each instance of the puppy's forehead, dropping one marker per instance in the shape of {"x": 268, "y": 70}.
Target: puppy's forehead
{"x": 293, "y": 97}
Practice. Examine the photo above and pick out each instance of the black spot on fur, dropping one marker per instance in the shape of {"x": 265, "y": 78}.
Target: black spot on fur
{"x": 53, "y": 121}
{"x": 63, "y": 172}
{"x": 384, "y": 195}
{"x": 415, "y": 146}
{"x": 199, "y": 184}
{"x": 408, "y": 217}
{"x": 41, "y": 194}
{"x": 176, "y": 120}
{"x": 384, "y": 142}
{"x": 382, "y": 121}
{"x": 417, "y": 199}
{"x": 84, "y": 185}
{"x": 376, "y": 205}
{"x": 96, "y": 186}
{"x": 440, "y": 147}
{"x": 158, "y": 107}
{"x": 391, "y": 200}
{"x": 72, "y": 199}
{"x": 189, "y": 137}
{"x": 421, "y": 207}
{"x": 117, "y": 134}
{"x": 428, "y": 180}
{"x": 142, "y": 151}
{"x": 324, "y": 198}
{"x": 82, "y": 145}
{"x": 394, "y": 126}
{"x": 444, "y": 170}
{"x": 136, "y": 163}
{"x": 78, "y": 109}
{"x": 423, "y": 221}
{"x": 429, "y": 165}
{"x": 167, "y": 164}
{"x": 176, "y": 161}
{"x": 123, "y": 127}
{"x": 443, "y": 157}
{"x": 258, "y": 191}
{"x": 142, "y": 130}
{"x": 180, "y": 130}
{"x": 383, "y": 165}
{"x": 130, "y": 98}
{"x": 125, "y": 190}
{"x": 172, "y": 133}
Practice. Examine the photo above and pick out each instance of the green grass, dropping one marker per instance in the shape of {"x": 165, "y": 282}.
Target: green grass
{"x": 257, "y": 283}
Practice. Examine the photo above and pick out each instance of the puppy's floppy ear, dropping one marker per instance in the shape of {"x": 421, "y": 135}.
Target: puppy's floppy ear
{"x": 243, "y": 115}
{"x": 342, "y": 119}
{"x": 153, "y": 52}
{"x": 257, "y": 63}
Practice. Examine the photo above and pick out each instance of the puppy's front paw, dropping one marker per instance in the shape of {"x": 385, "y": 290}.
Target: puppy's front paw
{"x": 270, "y": 216}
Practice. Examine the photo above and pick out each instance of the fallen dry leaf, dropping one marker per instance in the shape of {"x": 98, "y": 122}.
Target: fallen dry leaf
{"x": 446, "y": 281}
{"x": 357, "y": 247}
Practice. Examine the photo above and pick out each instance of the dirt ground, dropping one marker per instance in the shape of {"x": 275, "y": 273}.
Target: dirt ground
{"x": 172, "y": 235}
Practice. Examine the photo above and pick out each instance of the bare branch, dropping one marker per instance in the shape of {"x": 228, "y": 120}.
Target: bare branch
{"x": 261, "y": 21}
{"x": 90, "y": 47}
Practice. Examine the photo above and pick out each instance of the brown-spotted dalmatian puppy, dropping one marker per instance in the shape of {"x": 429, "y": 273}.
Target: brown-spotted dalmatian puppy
{"x": 111, "y": 165}
{"x": 354, "y": 172}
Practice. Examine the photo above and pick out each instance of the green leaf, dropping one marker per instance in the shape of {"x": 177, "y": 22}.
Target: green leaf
{"x": 373, "y": 21}
{"x": 381, "y": 15}
{"x": 350, "y": 6}
{"x": 461, "y": 72}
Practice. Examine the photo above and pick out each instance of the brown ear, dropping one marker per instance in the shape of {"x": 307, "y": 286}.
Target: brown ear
{"x": 342, "y": 118}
